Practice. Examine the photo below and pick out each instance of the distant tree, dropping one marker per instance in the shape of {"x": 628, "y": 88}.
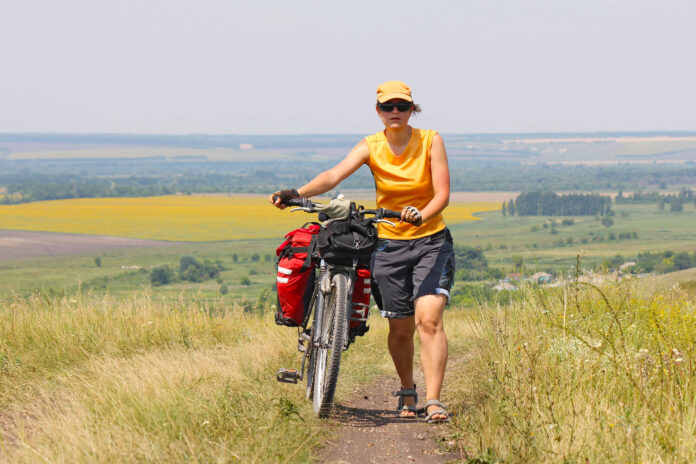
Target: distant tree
{"x": 607, "y": 221}
{"x": 224, "y": 290}
{"x": 97, "y": 261}
{"x": 186, "y": 262}
{"x": 162, "y": 275}
{"x": 235, "y": 258}
{"x": 681, "y": 261}
{"x": 245, "y": 280}
{"x": 511, "y": 207}
{"x": 267, "y": 257}
{"x": 676, "y": 204}
{"x": 504, "y": 209}
{"x": 255, "y": 257}
{"x": 192, "y": 270}
{"x": 662, "y": 205}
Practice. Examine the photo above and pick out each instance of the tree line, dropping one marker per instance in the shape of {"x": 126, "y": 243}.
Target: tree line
{"x": 675, "y": 200}
{"x": 87, "y": 178}
{"x": 552, "y": 204}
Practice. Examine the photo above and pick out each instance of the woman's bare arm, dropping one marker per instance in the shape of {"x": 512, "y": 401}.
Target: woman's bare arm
{"x": 332, "y": 177}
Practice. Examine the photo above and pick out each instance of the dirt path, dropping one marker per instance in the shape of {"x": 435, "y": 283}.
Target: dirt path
{"x": 372, "y": 433}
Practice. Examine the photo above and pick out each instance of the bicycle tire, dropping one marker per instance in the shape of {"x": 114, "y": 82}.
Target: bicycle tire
{"x": 334, "y": 326}
{"x": 317, "y": 299}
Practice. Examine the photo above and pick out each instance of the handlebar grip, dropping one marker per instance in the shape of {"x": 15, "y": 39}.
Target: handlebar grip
{"x": 388, "y": 213}
{"x": 301, "y": 202}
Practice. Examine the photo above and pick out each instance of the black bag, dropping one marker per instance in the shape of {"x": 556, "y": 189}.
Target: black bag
{"x": 341, "y": 241}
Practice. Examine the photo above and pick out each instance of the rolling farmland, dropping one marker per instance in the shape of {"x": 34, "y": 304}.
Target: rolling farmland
{"x": 175, "y": 218}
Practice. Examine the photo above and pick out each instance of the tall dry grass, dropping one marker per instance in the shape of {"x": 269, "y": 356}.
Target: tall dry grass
{"x": 580, "y": 375}
{"x": 87, "y": 379}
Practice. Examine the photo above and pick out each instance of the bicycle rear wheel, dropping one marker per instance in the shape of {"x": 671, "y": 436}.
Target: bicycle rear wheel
{"x": 333, "y": 338}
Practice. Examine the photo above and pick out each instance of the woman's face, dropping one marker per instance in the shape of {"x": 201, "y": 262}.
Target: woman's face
{"x": 395, "y": 119}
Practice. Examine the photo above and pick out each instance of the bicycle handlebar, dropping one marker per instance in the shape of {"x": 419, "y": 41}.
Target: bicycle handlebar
{"x": 307, "y": 205}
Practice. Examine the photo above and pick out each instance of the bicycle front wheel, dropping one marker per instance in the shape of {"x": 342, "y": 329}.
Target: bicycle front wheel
{"x": 333, "y": 338}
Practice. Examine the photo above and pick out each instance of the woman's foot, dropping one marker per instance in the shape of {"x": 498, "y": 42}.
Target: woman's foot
{"x": 436, "y": 412}
{"x": 408, "y": 398}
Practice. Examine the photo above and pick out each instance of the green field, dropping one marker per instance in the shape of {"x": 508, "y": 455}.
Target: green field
{"x": 503, "y": 237}
{"x": 500, "y": 237}
{"x": 118, "y": 272}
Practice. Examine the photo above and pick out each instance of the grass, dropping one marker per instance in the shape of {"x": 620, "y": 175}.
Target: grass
{"x": 569, "y": 375}
{"x": 98, "y": 379}
{"x": 581, "y": 374}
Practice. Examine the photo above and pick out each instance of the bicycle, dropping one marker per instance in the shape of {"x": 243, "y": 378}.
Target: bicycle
{"x": 323, "y": 343}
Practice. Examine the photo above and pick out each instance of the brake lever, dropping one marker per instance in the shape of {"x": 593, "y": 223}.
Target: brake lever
{"x": 384, "y": 221}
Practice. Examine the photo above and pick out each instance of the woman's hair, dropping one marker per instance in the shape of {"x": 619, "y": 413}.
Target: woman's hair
{"x": 415, "y": 107}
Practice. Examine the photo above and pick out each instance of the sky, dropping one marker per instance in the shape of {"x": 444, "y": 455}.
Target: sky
{"x": 305, "y": 66}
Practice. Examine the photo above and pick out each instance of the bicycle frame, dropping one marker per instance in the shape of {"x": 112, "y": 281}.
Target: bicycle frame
{"x": 322, "y": 288}
{"x": 330, "y": 311}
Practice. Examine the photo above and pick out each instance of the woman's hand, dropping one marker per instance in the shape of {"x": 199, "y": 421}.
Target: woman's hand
{"x": 411, "y": 215}
{"x": 278, "y": 198}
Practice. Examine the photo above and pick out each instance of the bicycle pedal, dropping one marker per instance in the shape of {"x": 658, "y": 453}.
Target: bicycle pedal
{"x": 287, "y": 375}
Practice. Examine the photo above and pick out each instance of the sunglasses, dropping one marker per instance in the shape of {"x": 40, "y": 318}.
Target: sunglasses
{"x": 402, "y": 107}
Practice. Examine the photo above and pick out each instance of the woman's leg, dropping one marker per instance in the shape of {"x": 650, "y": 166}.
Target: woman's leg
{"x": 400, "y": 342}
{"x": 428, "y": 321}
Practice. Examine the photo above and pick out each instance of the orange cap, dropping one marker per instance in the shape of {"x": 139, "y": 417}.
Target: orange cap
{"x": 393, "y": 89}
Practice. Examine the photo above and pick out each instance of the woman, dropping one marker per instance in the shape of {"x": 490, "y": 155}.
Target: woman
{"x": 413, "y": 265}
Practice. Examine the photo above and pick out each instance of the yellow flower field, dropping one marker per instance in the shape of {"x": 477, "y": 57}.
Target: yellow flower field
{"x": 176, "y": 218}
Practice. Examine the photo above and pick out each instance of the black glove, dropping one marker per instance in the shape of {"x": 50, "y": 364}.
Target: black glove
{"x": 288, "y": 194}
{"x": 412, "y": 215}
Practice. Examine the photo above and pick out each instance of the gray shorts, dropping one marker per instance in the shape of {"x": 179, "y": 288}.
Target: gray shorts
{"x": 403, "y": 270}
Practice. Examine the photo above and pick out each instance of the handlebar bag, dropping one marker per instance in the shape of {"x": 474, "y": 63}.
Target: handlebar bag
{"x": 341, "y": 241}
{"x": 295, "y": 274}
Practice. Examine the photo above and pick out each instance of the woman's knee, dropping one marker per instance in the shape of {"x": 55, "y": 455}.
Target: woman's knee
{"x": 401, "y": 329}
{"x": 429, "y": 326}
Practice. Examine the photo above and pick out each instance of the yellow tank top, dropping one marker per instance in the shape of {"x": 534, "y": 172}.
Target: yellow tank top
{"x": 404, "y": 180}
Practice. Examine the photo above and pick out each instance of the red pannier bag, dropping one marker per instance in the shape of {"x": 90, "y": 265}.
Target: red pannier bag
{"x": 295, "y": 280}
{"x": 361, "y": 301}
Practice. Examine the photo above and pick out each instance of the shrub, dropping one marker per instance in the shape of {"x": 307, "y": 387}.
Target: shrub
{"x": 190, "y": 269}
{"x": 162, "y": 275}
